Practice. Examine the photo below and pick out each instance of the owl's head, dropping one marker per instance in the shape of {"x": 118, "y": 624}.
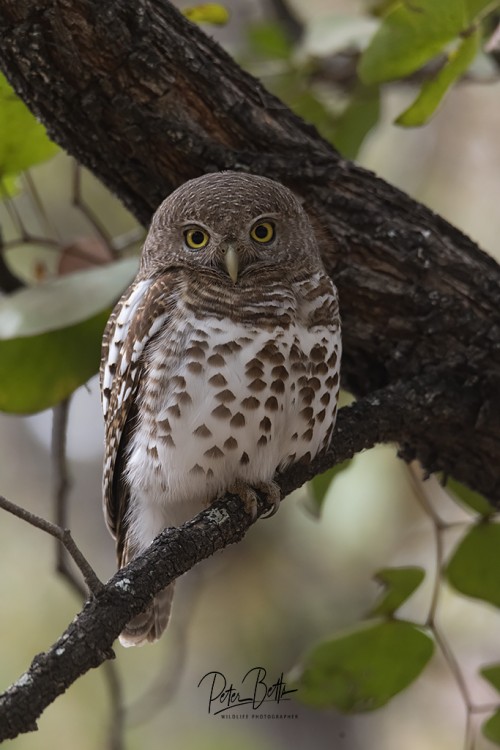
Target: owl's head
{"x": 234, "y": 225}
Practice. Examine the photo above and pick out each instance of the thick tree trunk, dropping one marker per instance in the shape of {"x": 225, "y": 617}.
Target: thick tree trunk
{"x": 147, "y": 100}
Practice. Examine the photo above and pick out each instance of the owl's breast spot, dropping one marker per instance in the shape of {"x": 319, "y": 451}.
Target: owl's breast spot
{"x": 241, "y": 402}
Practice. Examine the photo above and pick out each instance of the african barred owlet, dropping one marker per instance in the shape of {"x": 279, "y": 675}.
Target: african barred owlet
{"x": 220, "y": 363}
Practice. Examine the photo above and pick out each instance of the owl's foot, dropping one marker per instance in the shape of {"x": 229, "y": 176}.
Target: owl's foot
{"x": 272, "y": 493}
{"x": 248, "y": 494}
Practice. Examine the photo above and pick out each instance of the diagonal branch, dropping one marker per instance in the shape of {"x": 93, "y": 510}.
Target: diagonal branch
{"x": 87, "y": 642}
{"x": 60, "y": 415}
{"x": 64, "y": 537}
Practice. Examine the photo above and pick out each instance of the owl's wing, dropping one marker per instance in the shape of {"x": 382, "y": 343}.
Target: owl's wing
{"x": 137, "y": 318}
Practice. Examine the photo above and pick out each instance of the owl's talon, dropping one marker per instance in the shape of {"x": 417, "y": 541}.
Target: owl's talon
{"x": 247, "y": 495}
{"x": 272, "y": 493}
{"x": 271, "y": 512}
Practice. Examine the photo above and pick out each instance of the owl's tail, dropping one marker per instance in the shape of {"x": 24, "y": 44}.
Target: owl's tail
{"x": 150, "y": 624}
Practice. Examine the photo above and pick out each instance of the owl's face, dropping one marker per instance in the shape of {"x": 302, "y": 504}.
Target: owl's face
{"x": 233, "y": 225}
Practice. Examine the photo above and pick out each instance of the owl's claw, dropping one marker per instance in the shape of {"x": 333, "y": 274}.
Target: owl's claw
{"x": 248, "y": 495}
{"x": 273, "y": 497}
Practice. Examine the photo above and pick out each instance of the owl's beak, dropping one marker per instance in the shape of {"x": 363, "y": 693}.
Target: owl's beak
{"x": 231, "y": 261}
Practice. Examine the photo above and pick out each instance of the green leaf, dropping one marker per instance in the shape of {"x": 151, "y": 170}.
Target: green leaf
{"x": 23, "y": 140}
{"x": 213, "y": 13}
{"x": 399, "y": 584}
{"x": 433, "y": 90}
{"x": 360, "y": 116}
{"x": 473, "y": 568}
{"x": 306, "y": 104}
{"x": 269, "y": 41}
{"x": 413, "y": 33}
{"x": 50, "y": 335}
{"x": 63, "y": 301}
{"x": 471, "y": 499}
{"x": 492, "y": 674}
{"x": 363, "y": 670}
{"x": 491, "y": 728}
{"x": 319, "y": 486}
{"x": 381, "y": 7}
{"x": 478, "y": 9}
{"x": 37, "y": 372}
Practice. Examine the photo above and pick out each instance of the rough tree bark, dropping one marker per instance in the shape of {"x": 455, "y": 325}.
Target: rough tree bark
{"x": 146, "y": 100}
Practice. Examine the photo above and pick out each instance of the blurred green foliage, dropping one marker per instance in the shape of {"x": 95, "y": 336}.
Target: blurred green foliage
{"x": 468, "y": 498}
{"x": 211, "y": 13}
{"x": 320, "y": 485}
{"x": 491, "y": 727}
{"x": 399, "y": 584}
{"x": 474, "y": 565}
{"x": 413, "y": 34}
{"x": 23, "y": 140}
{"x": 433, "y": 90}
{"x": 50, "y": 335}
{"x": 363, "y": 669}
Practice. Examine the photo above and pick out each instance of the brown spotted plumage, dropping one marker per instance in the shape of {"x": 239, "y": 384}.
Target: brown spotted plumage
{"x": 220, "y": 363}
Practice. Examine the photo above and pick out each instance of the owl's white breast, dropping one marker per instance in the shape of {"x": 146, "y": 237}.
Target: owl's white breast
{"x": 225, "y": 401}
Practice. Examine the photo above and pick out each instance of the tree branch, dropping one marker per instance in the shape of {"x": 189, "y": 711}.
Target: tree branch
{"x": 64, "y": 537}
{"x": 384, "y": 416}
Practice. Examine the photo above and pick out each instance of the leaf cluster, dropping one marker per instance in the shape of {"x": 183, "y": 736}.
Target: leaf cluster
{"x": 363, "y": 668}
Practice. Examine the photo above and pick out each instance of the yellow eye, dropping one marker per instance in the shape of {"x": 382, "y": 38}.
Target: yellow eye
{"x": 262, "y": 232}
{"x": 196, "y": 238}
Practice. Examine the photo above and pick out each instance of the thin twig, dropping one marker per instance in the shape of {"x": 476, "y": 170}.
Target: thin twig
{"x": 8, "y": 281}
{"x": 61, "y": 497}
{"x": 60, "y": 415}
{"x": 61, "y": 493}
{"x": 124, "y": 241}
{"x": 32, "y": 191}
{"x": 438, "y": 525}
{"x": 64, "y": 536}
{"x": 26, "y": 237}
{"x": 470, "y": 734}
{"x": 14, "y": 214}
{"x": 79, "y": 202}
{"x": 117, "y": 724}
{"x": 453, "y": 665}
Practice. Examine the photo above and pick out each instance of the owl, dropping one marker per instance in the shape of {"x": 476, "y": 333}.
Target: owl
{"x": 220, "y": 363}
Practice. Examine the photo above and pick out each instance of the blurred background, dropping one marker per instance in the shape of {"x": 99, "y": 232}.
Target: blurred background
{"x": 296, "y": 578}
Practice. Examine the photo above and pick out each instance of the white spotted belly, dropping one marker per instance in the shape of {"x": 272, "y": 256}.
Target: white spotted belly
{"x": 230, "y": 402}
